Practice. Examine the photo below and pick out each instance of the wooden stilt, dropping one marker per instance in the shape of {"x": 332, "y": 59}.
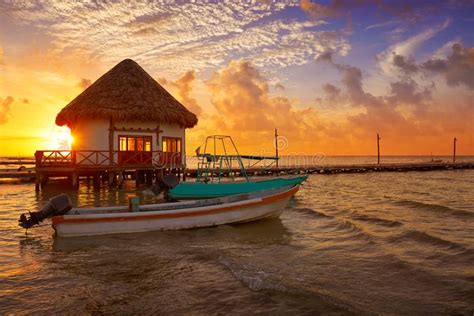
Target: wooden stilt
{"x": 96, "y": 180}
{"x": 112, "y": 178}
{"x": 378, "y": 148}
{"x": 44, "y": 180}
{"x": 454, "y": 149}
{"x": 149, "y": 178}
{"x": 120, "y": 179}
{"x": 137, "y": 178}
{"x": 38, "y": 181}
{"x": 75, "y": 180}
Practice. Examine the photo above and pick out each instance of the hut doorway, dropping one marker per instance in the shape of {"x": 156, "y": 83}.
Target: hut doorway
{"x": 135, "y": 149}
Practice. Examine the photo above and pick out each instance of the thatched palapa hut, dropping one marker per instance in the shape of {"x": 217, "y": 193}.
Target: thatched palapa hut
{"x": 126, "y": 111}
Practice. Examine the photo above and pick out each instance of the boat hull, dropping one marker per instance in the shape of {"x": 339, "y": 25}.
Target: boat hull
{"x": 130, "y": 222}
{"x": 199, "y": 190}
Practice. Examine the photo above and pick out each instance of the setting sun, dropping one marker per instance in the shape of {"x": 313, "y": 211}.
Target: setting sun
{"x": 60, "y": 138}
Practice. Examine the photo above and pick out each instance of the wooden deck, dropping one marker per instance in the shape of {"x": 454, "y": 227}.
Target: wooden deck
{"x": 110, "y": 166}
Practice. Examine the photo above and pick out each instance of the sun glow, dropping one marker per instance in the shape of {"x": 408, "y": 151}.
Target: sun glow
{"x": 60, "y": 138}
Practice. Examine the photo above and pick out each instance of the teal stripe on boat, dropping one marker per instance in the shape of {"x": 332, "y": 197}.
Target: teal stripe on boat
{"x": 199, "y": 190}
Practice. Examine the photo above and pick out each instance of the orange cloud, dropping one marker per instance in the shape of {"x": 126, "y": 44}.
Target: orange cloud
{"x": 84, "y": 83}
{"x": 317, "y": 10}
{"x": 184, "y": 85}
{"x": 244, "y": 108}
{"x": 5, "y": 109}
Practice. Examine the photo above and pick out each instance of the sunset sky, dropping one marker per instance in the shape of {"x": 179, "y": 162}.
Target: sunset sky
{"x": 328, "y": 74}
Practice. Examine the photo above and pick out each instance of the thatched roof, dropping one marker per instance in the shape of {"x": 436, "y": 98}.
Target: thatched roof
{"x": 126, "y": 93}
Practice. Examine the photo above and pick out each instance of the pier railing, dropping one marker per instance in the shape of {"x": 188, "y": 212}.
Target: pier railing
{"x": 105, "y": 158}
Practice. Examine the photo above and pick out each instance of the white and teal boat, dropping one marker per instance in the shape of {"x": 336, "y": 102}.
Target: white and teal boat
{"x": 221, "y": 172}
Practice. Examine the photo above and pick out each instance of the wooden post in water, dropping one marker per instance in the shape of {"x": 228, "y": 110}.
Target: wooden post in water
{"x": 75, "y": 180}
{"x": 276, "y": 146}
{"x": 454, "y": 149}
{"x": 96, "y": 180}
{"x": 378, "y": 148}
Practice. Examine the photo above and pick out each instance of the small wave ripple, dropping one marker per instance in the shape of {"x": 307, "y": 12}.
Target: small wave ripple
{"x": 443, "y": 209}
{"x": 377, "y": 220}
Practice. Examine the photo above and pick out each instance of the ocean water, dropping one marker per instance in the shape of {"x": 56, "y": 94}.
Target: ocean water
{"x": 390, "y": 243}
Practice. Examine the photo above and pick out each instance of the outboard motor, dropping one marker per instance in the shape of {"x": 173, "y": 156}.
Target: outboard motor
{"x": 170, "y": 181}
{"x": 166, "y": 183}
{"x": 58, "y": 205}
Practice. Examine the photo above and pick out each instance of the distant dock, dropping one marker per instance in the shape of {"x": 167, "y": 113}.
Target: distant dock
{"x": 28, "y": 174}
{"x": 355, "y": 168}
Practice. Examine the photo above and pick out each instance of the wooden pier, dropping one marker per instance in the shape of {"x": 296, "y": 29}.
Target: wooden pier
{"x": 356, "y": 168}
{"x": 116, "y": 173}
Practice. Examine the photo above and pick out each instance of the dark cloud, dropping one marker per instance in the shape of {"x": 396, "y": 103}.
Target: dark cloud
{"x": 404, "y": 91}
{"x": 84, "y": 83}
{"x": 408, "y": 66}
{"x": 407, "y": 91}
{"x": 147, "y": 25}
{"x": 457, "y": 68}
{"x": 380, "y": 112}
{"x": 403, "y": 9}
{"x": 279, "y": 86}
{"x": 5, "y": 109}
{"x": 325, "y": 57}
{"x": 156, "y": 19}
{"x": 351, "y": 78}
{"x": 147, "y": 31}
{"x": 25, "y": 100}
{"x": 331, "y": 91}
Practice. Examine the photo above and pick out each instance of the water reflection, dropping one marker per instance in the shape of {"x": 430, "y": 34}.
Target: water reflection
{"x": 88, "y": 195}
{"x": 266, "y": 231}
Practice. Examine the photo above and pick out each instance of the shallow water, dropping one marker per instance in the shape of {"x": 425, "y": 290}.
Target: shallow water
{"x": 347, "y": 243}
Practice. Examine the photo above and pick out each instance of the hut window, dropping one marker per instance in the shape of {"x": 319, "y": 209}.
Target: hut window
{"x": 140, "y": 146}
{"x": 123, "y": 143}
{"x": 147, "y": 143}
{"x": 135, "y": 143}
{"x": 131, "y": 143}
{"x": 172, "y": 144}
